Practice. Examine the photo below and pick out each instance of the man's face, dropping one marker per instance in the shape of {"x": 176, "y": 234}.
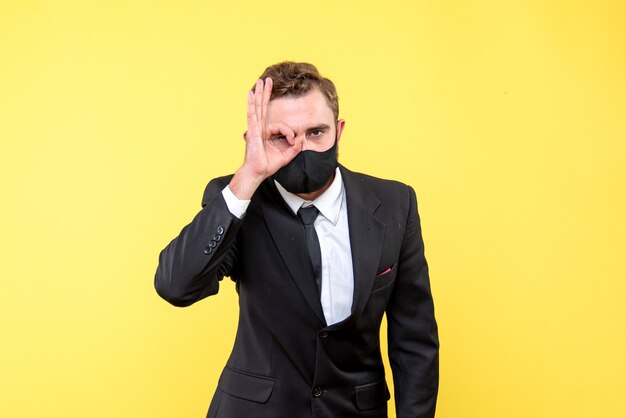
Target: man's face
{"x": 309, "y": 117}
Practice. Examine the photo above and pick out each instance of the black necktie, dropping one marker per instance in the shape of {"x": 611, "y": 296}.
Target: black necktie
{"x": 307, "y": 216}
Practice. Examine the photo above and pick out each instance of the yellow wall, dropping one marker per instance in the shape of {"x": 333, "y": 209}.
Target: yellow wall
{"x": 508, "y": 118}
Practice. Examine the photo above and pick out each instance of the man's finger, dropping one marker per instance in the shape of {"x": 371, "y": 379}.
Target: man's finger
{"x": 252, "y": 122}
{"x": 295, "y": 147}
{"x": 296, "y": 143}
{"x": 267, "y": 93}
{"x": 258, "y": 100}
{"x": 280, "y": 128}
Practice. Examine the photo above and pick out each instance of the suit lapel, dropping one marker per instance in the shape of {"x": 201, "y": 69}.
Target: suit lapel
{"x": 366, "y": 242}
{"x": 288, "y": 235}
{"x": 366, "y": 237}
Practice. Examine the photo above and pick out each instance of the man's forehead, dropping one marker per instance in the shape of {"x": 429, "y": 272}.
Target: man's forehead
{"x": 311, "y": 107}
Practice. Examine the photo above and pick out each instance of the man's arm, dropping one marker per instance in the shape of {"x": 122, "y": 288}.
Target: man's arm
{"x": 413, "y": 341}
{"x": 192, "y": 265}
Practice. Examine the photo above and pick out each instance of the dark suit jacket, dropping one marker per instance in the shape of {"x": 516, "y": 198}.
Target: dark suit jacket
{"x": 286, "y": 362}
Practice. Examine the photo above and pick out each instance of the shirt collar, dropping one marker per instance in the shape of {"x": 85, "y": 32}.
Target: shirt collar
{"x": 328, "y": 203}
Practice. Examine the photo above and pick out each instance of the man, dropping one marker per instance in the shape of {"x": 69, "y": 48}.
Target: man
{"x": 318, "y": 254}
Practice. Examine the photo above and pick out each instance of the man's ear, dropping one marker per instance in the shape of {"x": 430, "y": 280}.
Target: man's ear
{"x": 341, "y": 123}
{"x": 244, "y": 135}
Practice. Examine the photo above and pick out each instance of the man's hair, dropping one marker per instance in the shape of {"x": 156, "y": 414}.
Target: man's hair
{"x": 296, "y": 79}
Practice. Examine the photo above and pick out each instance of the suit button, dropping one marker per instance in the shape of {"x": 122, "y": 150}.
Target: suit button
{"x": 317, "y": 391}
{"x": 208, "y": 250}
{"x": 217, "y": 237}
{"x": 323, "y": 334}
{"x": 212, "y": 244}
{"x": 220, "y": 230}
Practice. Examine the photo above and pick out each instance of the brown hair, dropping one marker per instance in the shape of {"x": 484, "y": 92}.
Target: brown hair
{"x": 296, "y": 79}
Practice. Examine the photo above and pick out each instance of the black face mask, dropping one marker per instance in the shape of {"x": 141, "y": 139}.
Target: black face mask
{"x": 309, "y": 171}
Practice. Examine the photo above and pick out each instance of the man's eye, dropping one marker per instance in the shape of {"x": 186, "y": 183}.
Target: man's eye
{"x": 316, "y": 132}
{"x": 280, "y": 138}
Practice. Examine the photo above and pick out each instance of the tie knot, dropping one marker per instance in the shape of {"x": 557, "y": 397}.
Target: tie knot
{"x": 308, "y": 215}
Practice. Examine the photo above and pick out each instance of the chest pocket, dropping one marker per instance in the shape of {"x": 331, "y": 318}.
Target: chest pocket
{"x": 385, "y": 278}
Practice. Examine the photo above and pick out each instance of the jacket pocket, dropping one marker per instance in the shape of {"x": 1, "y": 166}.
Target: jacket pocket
{"x": 385, "y": 278}
{"x": 371, "y": 395}
{"x": 253, "y": 388}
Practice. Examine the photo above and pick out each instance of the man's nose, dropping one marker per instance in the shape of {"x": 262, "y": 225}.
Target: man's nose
{"x": 305, "y": 143}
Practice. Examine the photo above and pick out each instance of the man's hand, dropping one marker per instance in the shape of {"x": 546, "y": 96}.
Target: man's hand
{"x": 268, "y": 146}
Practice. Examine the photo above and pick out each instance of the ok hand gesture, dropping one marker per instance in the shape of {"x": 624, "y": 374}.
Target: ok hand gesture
{"x": 269, "y": 146}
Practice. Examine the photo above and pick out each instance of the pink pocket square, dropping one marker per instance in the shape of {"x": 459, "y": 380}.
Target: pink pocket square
{"x": 382, "y": 273}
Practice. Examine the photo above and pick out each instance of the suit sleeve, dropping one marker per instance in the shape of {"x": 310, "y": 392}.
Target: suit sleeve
{"x": 192, "y": 265}
{"x": 413, "y": 341}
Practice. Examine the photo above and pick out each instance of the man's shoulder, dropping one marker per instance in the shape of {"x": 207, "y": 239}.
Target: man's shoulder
{"x": 377, "y": 185}
{"x": 388, "y": 198}
{"x": 214, "y": 187}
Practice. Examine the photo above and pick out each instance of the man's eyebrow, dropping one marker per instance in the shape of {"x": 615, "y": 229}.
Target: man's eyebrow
{"x": 322, "y": 127}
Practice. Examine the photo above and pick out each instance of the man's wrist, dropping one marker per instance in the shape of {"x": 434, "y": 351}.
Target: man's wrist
{"x": 236, "y": 206}
{"x": 244, "y": 183}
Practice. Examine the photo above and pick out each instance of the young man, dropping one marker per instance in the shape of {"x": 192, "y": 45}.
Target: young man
{"x": 318, "y": 254}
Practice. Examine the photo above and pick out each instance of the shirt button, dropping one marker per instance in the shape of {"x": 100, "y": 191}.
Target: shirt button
{"x": 323, "y": 334}
{"x": 317, "y": 391}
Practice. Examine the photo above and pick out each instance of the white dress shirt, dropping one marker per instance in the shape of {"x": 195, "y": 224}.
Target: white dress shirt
{"x": 331, "y": 226}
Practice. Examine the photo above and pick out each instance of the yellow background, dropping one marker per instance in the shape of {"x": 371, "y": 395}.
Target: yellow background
{"x": 508, "y": 118}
